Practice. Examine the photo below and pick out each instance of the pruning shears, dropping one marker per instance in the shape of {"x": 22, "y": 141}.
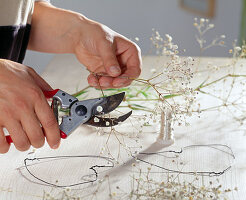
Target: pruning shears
{"x": 83, "y": 112}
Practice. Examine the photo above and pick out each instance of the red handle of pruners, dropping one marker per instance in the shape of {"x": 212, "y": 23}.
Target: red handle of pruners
{"x": 9, "y": 139}
{"x": 48, "y": 95}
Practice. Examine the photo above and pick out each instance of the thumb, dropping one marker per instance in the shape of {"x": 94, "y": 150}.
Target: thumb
{"x": 110, "y": 61}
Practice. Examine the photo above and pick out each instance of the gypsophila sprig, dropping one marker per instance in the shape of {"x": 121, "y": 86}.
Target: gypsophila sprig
{"x": 203, "y": 26}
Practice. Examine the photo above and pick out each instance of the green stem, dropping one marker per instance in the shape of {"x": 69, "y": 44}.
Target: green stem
{"x": 223, "y": 77}
{"x": 80, "y": 92}
{"x": 166, "y": 96}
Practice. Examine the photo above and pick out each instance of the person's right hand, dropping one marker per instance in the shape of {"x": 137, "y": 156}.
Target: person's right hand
{"x": 24, "y": 108}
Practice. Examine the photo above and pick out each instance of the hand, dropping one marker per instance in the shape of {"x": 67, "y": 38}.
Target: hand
{"x": 106, "y": 52}
{"x": 23, "y": 107}
{"x": 100, "y": 49}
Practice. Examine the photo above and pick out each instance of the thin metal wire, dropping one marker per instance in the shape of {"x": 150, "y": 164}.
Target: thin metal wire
{"x": 199, "y": 173}
{"x": 111, "y": 164}
{"x": 93, "y": 168}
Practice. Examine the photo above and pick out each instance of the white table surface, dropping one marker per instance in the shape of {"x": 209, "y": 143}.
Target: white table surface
{"x": 64, "y": 72}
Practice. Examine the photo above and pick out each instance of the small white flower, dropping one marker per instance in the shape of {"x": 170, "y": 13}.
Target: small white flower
{"x": 202, "y": 20}
{"x": 153, "y": 70}
{"x": 167, "y": 52}
{"x": 189, "y": 59}
{"x": 169, "y": 37}
{"x": 175, "y": 47}
{"x": 238, "y": 49}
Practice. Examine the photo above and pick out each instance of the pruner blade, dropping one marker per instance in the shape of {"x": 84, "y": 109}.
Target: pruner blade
{"x": 107, "y": 122}
{"x": 108, "y": 104}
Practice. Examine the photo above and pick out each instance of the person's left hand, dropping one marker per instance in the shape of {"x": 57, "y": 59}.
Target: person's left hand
{"x": 116, "y": 59}
{"x": 104, "y": 51}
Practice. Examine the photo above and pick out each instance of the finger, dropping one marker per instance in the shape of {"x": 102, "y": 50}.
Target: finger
{"x": 129, "y": 56}
{"x": 106, "y": 82}
{"x": 110, "y": 61}
{"x": 18, "y": 135}
{"x": 92, "y": 80}
{"x": 39, "y": 80}
{"x": 100, "y": 82}
{"x": 125, "y": 79}
{"x": 4, "y": 146}
{"x": 132, "y": 72}
{"x": 32, "y": 127}
{"x": 49, "y": 123}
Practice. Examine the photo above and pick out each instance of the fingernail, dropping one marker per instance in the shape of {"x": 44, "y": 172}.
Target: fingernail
{"x": 94, "y": 84}
{"x": 119, "y": 84}
{"x": 105, "y": 84}
{"x": 115, "y": 70}
{"x": 55, "y": 146}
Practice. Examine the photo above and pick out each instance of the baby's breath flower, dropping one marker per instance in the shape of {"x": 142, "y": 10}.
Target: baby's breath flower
{"x": 153, "y": 70}
{"x": 169, "y": 37}
{"x": 189, "y": 59}
{"x": 175, "y": 47}
{"x": 202, "y": 20}
{"x": 237, "y": 48}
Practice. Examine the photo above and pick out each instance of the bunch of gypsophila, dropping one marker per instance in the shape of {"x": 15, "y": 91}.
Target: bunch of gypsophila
{"x": 232, "y": 75}
{"x": 143, "y": 186}
{"x": 168, "y": 90}
{"x": 152, "y": 99}
{"x": 203, "y": 26}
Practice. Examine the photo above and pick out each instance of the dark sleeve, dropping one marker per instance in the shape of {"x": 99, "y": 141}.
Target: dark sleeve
{"x": 14, "y": 41}
{"x": 15, "y": 27}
